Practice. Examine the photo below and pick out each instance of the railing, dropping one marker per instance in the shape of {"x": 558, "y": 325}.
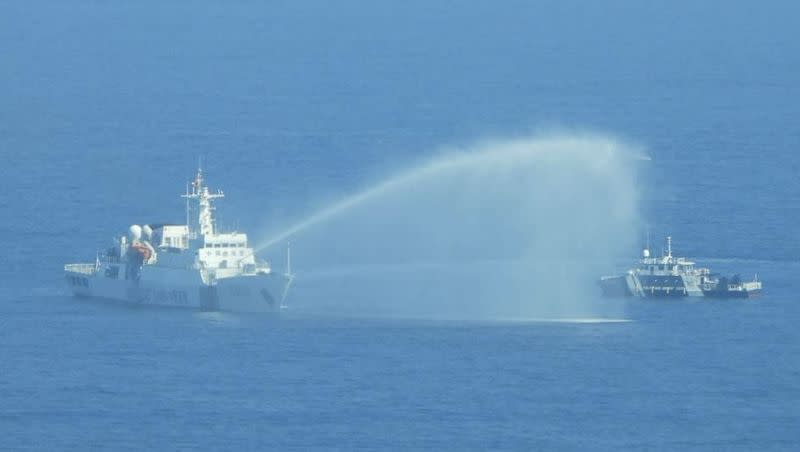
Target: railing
{"x": 86, "y": 269}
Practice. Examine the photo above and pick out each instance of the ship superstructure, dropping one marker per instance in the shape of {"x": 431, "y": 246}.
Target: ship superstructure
{"x": 189, "y": 265}
{"x": 670, "y": 276}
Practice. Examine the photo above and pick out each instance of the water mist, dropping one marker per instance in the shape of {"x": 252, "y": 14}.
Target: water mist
{"x": 507, "y": 229}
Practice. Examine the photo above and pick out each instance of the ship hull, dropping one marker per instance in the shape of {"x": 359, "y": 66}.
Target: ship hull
{"x": 615, "y": 286}
{"x": 670, "y": 286}
{"x": 741, "y": 294}
{"x": 646, "y": 287}
{"x": 250, "y": 293}
{"x": 662, "y": 286}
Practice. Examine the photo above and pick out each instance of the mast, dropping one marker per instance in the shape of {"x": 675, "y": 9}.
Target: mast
{"x": 188, "y": 207}
{"x": 669, "y": 246}
{"x": 288, "y": 258}
{"x": 205, "y": 216}
{"x": 289, "y": 276}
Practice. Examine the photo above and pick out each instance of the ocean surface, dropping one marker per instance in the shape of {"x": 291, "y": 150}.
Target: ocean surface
{"x": 106, "y": 107}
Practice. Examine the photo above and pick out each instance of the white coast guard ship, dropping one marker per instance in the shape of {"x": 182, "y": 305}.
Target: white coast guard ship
{"x": 670, "y": 276}
{"x": 189, "y": 265}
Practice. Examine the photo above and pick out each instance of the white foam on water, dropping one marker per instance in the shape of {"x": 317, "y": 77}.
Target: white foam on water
{"x": 566, "y": 320}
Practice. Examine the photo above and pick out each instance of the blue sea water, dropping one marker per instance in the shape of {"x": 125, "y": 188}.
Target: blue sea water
{"x": 105, "y": 108}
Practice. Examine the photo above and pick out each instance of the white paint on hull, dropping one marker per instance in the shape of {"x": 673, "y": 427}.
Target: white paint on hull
{"x": 250, "y": 293}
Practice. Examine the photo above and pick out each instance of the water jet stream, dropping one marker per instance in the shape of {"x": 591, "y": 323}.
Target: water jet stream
{"x": 516, "y": 149}
{"x": 510, "y": 228}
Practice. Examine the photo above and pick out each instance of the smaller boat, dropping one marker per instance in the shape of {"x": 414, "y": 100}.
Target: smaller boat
{"x": 668, "y": 276}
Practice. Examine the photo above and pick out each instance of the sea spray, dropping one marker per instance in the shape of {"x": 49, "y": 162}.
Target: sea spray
{"x": 505, "y": 228}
